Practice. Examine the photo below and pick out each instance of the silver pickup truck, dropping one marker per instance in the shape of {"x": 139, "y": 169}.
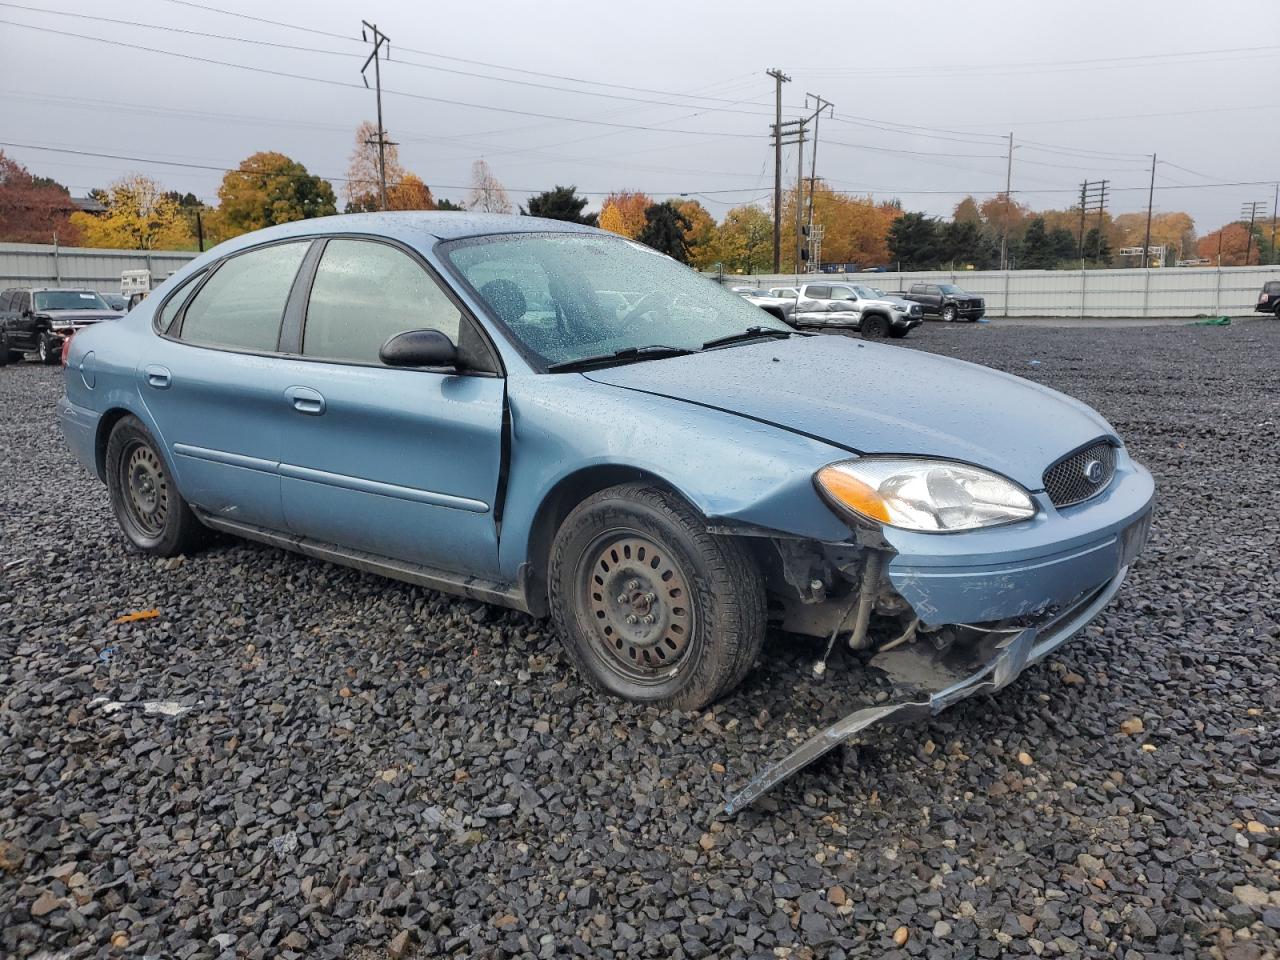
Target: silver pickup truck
{"x": 874, "y": 313}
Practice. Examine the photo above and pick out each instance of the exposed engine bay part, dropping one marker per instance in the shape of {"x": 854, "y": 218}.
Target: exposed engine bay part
{"x": 927, "y": 680}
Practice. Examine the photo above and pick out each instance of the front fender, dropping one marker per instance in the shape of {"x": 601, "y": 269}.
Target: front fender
{"x": 730, "y": 468}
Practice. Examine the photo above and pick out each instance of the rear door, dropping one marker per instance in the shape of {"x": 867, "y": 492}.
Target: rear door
{"x": 399, "y": 463}
{"x": 215, "y": 384}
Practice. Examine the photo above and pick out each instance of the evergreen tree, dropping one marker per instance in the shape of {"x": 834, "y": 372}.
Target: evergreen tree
{"x": 914, "y": 242}
{"x": 560, "y": 203}
{"x": 1096, "y": 247}
{"x": 664, "y": 230}
{"x": 1037, "y": 248}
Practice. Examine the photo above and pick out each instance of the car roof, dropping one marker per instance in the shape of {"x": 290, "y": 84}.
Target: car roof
{"x": 410, "y": 226}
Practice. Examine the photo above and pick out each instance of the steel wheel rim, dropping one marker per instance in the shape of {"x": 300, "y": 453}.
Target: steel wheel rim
{"x": 635, "y": 600}
{"x": 145, "y": 487}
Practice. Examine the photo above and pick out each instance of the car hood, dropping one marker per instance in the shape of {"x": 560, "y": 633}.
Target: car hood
{"x": 876, "y": 398}
{"x": 80, "y": 316}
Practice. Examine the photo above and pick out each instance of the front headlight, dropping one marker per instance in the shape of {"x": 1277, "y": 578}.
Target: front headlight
{"x": 928, "y": 495}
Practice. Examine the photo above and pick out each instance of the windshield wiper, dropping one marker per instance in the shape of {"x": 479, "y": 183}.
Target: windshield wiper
{"x": 751, "y": 333}
{"x": 655, "y": 351}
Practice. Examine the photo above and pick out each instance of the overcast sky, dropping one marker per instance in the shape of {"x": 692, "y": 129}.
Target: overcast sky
{"x": 1089, "y": 90}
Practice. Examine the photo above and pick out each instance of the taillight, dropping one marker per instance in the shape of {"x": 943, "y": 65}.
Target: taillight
{"x": 66, "y": 349}
{"x": 1264, "y": 298}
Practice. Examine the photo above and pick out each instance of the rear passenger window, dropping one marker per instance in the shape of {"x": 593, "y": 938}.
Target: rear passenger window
{"x": 170, "y": 310}
{"x": 818, "y": 293}
{"x": 6, "y": 298}
{"x": 365, "y": 293}
{"x": 242, "y": 304}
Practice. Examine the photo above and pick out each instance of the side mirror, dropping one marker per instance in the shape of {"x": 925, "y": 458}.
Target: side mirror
{"x": 419, "y": 348}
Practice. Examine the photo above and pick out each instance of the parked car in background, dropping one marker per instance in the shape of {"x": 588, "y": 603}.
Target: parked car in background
{"x": 1269, "y": 298}
{"x": 115, "y": 301}
{"x": 857, "y": 307}
{"x": 945, "y": 301}
{"x": 779, "y": 307}
{"x": 547, "y": 416}
{"x": 39, "y": 320}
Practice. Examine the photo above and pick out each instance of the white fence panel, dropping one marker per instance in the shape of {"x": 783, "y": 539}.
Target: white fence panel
{"x": 1157, "y": 292}
{"x": 39, "y": 264}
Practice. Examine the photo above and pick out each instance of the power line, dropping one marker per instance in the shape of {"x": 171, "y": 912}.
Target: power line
{"x": 443, "y": 56}
{"x": 225, "y": 169}
{"x": 401, "y": 60}
{"x": 353, "y": 86}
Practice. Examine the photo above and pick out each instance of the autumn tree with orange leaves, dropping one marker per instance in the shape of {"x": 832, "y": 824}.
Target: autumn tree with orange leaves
{"x": 623, "y": 212}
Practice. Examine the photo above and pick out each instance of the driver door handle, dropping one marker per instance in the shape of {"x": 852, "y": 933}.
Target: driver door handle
{"x": 306, "y": 400}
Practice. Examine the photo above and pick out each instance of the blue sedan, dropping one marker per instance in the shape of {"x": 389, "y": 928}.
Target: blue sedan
{"x": 553, "y": 418}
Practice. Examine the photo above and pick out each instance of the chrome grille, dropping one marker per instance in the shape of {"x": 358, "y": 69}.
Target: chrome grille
{"x": 1068, "y": 481}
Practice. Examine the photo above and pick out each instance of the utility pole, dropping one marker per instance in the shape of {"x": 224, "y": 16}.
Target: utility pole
{"x": 379, "y": 38}
{"x": 1151, "y": 197}
{"x": 1008, "y": 199}
{"x": 779, "y": 79}
{"x": 800, "y": 192}
{"x": 199, "y": 230}
{"x": 1084, "y": 189}
{"x": 1251, "y": 211}
{"x": 813, "y": 156}
{"x": 1275, "y": 208}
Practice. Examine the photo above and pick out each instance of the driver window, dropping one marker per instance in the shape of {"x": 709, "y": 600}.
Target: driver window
{"x": 365, "y": 293}
{"x": 843, "y": 293}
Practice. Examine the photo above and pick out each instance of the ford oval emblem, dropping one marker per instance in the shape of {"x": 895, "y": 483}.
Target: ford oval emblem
{"x": 1093, "y": 471}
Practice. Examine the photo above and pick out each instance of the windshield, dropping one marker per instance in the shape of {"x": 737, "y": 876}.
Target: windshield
{"x": 68, "y": 300}
{"x": 951, "y": 290}
{"x": 569, "y": 296}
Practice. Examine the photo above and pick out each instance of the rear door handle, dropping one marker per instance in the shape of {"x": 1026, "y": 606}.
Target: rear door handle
{"x": 305, "y": 400}
{"x": 157, "y": 376}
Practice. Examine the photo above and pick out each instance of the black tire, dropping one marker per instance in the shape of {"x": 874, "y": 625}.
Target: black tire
{"x": 154, "y": 517}
{"x": 899, "y": 332}
{"x": 4, "y": 349}
{"x": 635, "y": 551}
{"x": 48, "y": 352}
{"x": 948, "y": 313}
{"x": 874, "y": 327}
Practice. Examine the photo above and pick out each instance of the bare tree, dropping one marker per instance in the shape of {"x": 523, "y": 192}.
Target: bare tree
{"x": 362, "y": 186}
{"x": 486, "y": 192}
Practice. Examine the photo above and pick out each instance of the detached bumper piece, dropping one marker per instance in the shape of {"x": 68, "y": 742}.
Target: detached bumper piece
{"x": 929, "y": 682}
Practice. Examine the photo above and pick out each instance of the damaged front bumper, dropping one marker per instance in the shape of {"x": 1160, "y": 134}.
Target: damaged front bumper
{"x": 932, "y": 681}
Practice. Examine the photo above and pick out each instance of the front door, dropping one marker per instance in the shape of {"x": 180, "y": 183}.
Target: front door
{"x": 400, "y": 463}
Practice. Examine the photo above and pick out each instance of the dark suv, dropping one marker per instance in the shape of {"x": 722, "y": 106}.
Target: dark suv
{"x": 1269, "y": 298}
{"x": 39, "y": 320}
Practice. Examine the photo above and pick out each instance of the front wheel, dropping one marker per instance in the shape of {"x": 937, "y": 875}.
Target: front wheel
{"x": 154, "y": 518}
{"x": 874, "y": 328}
{"x": 948, "y": 313}
{"x": 48, "y": 351}
{"x": 650, "y": 606}
{"x": 899, "y": 332}
{"x": 4, "y": 348}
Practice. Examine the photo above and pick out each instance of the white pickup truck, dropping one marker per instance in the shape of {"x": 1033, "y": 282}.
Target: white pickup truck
{"x": 874, "y": 313}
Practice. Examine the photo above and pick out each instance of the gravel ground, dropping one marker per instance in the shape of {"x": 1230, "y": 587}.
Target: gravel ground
{"x": 294, "y": 759}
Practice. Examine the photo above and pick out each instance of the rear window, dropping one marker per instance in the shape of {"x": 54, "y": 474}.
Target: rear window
{"x": 241, "y": 305}
{"x": 1272, "y": 286}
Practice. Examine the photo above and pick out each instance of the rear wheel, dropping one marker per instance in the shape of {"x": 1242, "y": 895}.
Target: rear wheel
{"x": 874, "y": 327}
{"x": 650, "y": 606}
{"x": 154, "y": 518}
{"x": 949, "y": 313}
{"x": 4, "y": 348}
{"x": 48, "y": 351}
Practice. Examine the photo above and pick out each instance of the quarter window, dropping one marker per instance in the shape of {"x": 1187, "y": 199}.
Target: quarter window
{"x": 170, "y": 310}
{"x": 365, "y": 293}
{"x": 242, "y": 304}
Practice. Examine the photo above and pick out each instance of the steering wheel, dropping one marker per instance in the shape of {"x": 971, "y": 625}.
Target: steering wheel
{"x": 649, "y": 301}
